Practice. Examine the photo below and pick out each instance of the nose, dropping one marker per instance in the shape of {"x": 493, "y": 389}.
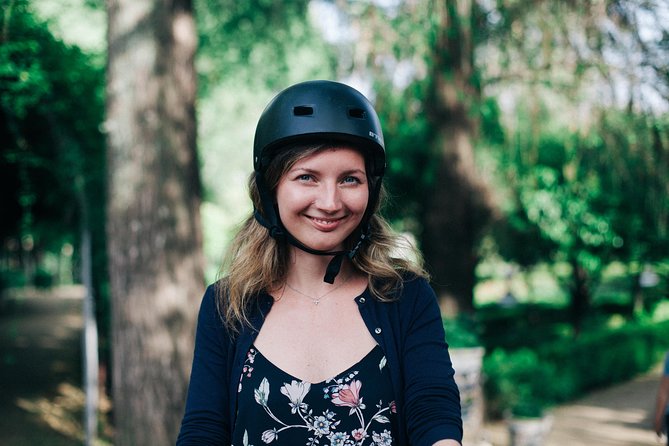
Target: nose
{"x": 329, "y": 198}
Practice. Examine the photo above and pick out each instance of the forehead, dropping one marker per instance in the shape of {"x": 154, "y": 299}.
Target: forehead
{"x": 332, "y": 154}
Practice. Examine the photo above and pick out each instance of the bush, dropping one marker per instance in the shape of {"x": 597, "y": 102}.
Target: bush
{"x": 42, "y": 278}
{"x": 518, "y": 384}
{"x": 527, "y": 381}
{"x": 462, "y": 332}
{"x": 606, "y": 356}
{"x": 523, "y": 325}
{"x": 11, "y": 279}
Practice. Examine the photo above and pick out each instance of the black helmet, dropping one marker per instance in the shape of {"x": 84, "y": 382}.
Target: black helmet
{"x": 318, "y": 111}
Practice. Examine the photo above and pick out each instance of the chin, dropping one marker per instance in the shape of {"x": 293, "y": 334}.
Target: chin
{"x": 326, "y": 247}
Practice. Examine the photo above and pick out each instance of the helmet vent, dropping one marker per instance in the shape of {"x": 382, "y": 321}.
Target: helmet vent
{"x": 357, "y": 113}
{"x": 303, "y": 110}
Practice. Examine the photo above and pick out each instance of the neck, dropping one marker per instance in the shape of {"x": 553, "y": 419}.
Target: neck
{"x": 307, "y": 270}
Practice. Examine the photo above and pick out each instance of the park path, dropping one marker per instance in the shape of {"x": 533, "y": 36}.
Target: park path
{"x": 620, "y": 415}
{"x": 40, "y": 398}
{"x": 40, "y": 367}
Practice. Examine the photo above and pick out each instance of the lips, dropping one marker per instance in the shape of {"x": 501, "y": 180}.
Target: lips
{"x": 326, "y": 224}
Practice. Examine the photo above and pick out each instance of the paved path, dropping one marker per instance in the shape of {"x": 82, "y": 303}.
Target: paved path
{"x": 40, "y": 401}
{"x": 617, "y": 416}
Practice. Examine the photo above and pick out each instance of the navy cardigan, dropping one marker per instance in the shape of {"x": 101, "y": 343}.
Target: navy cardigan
{"x": 408, "y": 329}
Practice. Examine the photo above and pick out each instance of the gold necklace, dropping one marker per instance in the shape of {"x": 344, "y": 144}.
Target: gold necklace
{"x": 317, "y": 300}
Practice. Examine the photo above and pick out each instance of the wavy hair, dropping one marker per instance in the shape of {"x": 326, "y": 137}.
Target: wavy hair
{"x": 255, "y": 262}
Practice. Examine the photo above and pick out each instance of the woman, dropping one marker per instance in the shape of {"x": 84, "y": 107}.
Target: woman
{"x": 319, "y": 334}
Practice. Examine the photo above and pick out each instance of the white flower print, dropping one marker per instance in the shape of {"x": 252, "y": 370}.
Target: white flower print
{"x": 382, "y": 439}
{"x": 296, "y": 391}
{"x": 262, "y": 393}
{"x": 321, "y": 425}
{"x": 269, "y": 435}
{"x": 339, "y": 439}
{"x": 246, "y": 439}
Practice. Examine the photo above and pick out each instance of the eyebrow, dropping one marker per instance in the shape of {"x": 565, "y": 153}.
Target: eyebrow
{"x": 354, "y": 171}
{"x": 345, "y": 172}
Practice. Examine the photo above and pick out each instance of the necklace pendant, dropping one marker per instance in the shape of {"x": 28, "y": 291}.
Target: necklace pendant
{"x": 316, "y": 302}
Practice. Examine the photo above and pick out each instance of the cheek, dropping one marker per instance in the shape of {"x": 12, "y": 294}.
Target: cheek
{"x": 359, "y": 202}
{"x": 291, "y": 199}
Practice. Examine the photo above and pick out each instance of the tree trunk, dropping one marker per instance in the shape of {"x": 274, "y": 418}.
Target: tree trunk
{"x": 459, "y": 206}
{"x": 153, "y": 225}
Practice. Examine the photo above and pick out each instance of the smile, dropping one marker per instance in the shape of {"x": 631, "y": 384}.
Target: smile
{"x": 328, "y": 223}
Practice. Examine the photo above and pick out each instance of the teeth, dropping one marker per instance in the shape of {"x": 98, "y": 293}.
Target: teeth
{"x": 324, "y": 222}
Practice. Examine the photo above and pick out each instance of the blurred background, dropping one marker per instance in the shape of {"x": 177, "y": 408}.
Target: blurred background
{"x": 528, "y": 158}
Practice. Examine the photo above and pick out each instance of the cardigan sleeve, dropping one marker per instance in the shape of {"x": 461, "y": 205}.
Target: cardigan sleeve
{"x": 206, "y": 418}
{"x": 432, "y": 399}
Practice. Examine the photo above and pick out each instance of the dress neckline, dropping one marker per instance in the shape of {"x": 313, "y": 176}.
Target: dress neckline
{"x": 336, "y": 375}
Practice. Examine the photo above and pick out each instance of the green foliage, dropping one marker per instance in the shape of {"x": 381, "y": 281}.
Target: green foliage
{"x": 43, "y": 278}
{"x": 51, "y": 110}
{"x": 583, "y": 178}
{"x": 411, "y": 163}
{"x": 518, "y": 384}
{"x": 267, "y": 44}
{"x": 606, "y": 356}
{"x": 23, "y": 79}
{"x": 523, "y": 325}
{"x": 492, "y": 131}
{"x": 588, "y": 198}
{"x": 462, "y": 332}
{"x": 567, "y": 203}
{"x": 527, "y": 381}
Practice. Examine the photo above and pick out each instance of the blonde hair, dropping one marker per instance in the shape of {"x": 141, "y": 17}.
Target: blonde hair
{"x": 255, "y": 262}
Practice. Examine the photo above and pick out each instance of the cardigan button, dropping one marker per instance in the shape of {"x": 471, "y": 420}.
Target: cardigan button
{"x": 377, "y": 331}
{"x": 362, "y": 300}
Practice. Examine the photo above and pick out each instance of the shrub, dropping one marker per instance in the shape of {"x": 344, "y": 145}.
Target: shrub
{"x": 527, "y": 381}
{"x": 42, "y": 278}
{"x": 518, "y": 384}
{"x": 523, "y": 325}
{"x": 462, "y": 332}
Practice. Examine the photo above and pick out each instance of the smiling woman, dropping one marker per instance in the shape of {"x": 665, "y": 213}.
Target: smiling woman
{"x": 318, "y": 333}
{"x": 323, "y": 197}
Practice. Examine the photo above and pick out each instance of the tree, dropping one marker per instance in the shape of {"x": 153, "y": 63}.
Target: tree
{"x": 586, "y": 161}
{"x": 460, "y": 206}
{"x": 50, "y": 112}
{"x": 154, "y": 234}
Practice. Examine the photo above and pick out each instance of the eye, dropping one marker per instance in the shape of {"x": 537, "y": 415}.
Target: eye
{"x": 304, "y": 177}
{"x": 351, "y": 180}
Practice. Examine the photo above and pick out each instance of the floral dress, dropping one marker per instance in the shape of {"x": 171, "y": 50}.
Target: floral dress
{"x": 354, "y": 408}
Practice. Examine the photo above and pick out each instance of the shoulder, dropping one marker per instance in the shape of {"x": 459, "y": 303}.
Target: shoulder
{"x": 412, "y": 299}
{"x": 217, "y": 303}
{"x": 415, "y": 290}
{"x": 210, "y": 307}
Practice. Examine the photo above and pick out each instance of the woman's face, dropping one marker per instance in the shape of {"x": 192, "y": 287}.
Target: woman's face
{"x": 323, "y": 196}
